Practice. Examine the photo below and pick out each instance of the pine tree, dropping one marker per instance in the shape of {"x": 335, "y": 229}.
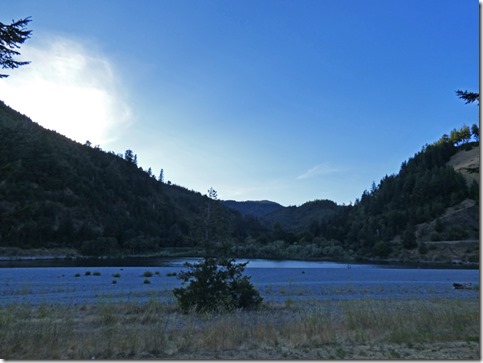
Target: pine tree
{"x": 11, "y": 36}
{"x": 469, "y": 97}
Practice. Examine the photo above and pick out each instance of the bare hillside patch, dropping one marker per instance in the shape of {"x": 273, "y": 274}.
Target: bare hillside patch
{"x": 467, "y": 162}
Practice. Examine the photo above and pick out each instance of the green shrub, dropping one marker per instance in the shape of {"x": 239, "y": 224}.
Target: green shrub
{"x": 436, "y": 237}
{"x": 96, "y": 273}
{"x": 102, "y": 246}
{"x": 423, "y": 248}
{"x": 474, "y": 258}
{"x": 146, "y": 281}
{"x": 382, "y": 249}
{"x": 216, "y": 285}
{"x": 116, "y": 275}
{"x": 457, "y": 233}
{"x": 148, "y": 274}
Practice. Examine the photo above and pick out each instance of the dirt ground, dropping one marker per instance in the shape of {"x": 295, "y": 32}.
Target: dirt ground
{"x": 436, "y": 351}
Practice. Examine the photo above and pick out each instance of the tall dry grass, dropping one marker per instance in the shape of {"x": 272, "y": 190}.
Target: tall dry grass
{"x": 154, "y": 330}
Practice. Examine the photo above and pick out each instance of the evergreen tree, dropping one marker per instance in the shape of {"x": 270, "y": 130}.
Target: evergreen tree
{"x": 469, "y": 97}
{"x": 11, "y": 36}
{"x": 475, "y": 131}
{"x": 465, "y": 134}
{"x": 129, "y": 155}
{"x": 409, "y": 237}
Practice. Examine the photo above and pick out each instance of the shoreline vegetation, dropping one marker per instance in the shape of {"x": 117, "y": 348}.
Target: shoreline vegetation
{"x": 18, "y": 254}
{"x": 356, "y": 329}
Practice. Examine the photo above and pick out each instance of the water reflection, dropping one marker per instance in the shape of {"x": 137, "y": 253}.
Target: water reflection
{"x": 169, "y": 261}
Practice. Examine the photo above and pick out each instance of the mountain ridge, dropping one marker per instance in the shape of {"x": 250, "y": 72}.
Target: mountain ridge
{"x": 256, "y": 208}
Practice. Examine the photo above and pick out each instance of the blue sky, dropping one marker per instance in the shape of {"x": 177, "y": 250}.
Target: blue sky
{"x": 289, "y": 101}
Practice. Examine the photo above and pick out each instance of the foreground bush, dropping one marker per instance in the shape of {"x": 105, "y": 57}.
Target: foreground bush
{"x": 216, "y": 285}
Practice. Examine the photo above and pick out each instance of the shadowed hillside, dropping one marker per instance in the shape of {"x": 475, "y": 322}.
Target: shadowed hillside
{"x": 57, "y": 193}
{"x": 254, "y": 208}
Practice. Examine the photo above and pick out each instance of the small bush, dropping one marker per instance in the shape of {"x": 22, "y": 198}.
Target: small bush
{"x": 88, "y": 273}
{"x": 147, "y": 274}
{"x": 423, "y": 248}
{"x": 216, "y": 285}
{"x": 114, "y": 282}
{"x": 96, "y": 273}
{"x": 146, "y": 281}
{"x": 382, "y": 249}
{"x": 116, "y": 275}
{"x": 457, "y": 233}
{"x": 435, "y": 237}
{"x": 102, "y": 246}
{"x": 77, "y": 275}
{"x": 474, "y": 258}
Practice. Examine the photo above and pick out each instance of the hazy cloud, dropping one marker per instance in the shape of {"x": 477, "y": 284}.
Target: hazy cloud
{"x": 317, "y": 170}
{"x": 68, "y": 88}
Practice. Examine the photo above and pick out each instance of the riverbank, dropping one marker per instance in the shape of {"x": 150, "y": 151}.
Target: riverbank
{"x": 14, "y": 254}
{"x": 362, "y": 329}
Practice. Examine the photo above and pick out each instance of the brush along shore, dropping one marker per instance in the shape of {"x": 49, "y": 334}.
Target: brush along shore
{"x": 355, "y": 329}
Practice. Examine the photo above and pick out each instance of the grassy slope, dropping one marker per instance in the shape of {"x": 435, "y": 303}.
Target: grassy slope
{"x": 467, "y": 162}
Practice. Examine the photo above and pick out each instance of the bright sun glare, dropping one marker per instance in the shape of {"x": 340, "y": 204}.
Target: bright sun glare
{"x": 67, "y": 89}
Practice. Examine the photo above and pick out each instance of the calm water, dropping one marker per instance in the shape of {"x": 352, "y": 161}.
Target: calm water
{"x": 59, "y": 281}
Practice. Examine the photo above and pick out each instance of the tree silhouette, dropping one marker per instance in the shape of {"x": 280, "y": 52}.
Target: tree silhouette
{"x": 469, "y": 97}
{"x": 11, "y": 36}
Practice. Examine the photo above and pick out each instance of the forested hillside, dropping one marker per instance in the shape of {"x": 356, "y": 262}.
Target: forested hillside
{"x": 389, "y": 218}
{"x": 411, "y": 215}
{"x": 55, "y": 192}
{"x": 253, "y": 208}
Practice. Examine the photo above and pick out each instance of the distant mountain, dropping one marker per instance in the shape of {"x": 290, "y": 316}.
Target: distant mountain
{"x": 254, "y": 208}
{"x": 290, "y": 218}
{"x": 300, "y": 218}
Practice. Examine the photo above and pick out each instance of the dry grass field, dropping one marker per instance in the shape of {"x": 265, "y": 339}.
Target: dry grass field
{"x": 362, "y": 329}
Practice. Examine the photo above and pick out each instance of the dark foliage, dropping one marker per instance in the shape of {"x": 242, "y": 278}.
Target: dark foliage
{"x": 253, "y": 208}
{"x": 299, "y": 218}
{"x": 467, "y": 96}
{"x": 11, "y": 36}
{"x": 423, "y": 189}
{"x": 216, "y": 285}
{"x": 55, "y": 192}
